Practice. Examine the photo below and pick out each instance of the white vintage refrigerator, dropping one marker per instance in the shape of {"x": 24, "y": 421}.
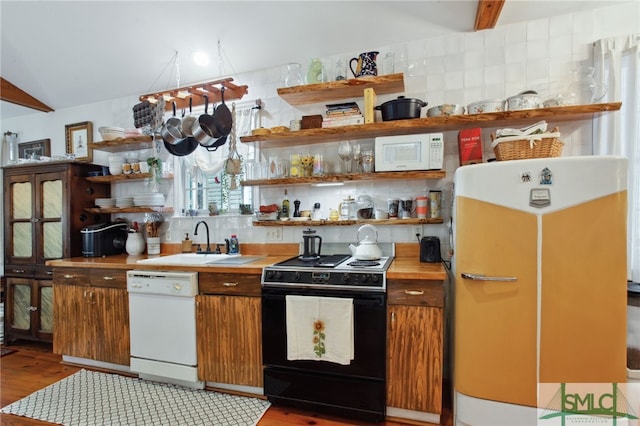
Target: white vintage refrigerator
{"x": 540, "y": 282}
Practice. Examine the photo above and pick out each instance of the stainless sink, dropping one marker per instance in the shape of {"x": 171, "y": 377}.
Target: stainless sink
{"x": 195, "y": 259}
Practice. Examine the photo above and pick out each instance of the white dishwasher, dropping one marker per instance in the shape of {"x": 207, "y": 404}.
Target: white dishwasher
{"x": 162, "y": 317}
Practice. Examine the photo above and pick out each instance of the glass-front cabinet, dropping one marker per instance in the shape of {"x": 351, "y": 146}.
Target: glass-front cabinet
{"x": 43, "y": 214}
{"x": 36, "y": 217}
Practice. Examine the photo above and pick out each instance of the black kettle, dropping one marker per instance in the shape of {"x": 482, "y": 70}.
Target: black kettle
{"x": 430, "y": 250}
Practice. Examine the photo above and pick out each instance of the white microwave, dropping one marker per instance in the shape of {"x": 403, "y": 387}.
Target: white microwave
{"x": 409, "y": 152}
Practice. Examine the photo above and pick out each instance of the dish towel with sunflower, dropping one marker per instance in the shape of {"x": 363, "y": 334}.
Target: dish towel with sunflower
{"x": 320, "y": 329}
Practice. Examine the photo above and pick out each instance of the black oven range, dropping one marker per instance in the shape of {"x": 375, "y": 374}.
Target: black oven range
{"x": 350, "y": 296}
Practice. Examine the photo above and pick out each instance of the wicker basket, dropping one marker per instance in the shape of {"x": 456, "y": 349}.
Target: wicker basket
{"x": 542, "y": 145}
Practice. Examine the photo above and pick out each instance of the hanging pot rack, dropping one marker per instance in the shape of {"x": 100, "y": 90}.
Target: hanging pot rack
{"x": 197, "y": 92}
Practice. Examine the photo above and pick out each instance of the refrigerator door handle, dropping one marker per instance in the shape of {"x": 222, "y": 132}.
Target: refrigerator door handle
{"x": 480, "y": 277}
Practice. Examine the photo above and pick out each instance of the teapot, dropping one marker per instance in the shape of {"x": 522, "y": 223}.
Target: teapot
{"x": 367, "y": 248}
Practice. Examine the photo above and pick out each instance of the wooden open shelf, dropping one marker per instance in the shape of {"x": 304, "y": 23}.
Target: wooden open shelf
{"x": 432, "y": 124}
{"x": 123, "y": 144}
{"x": 98, "y": 210}
{"x": 307, "y": 223}
{"x": 196, "y": 92}
{"x": 348, "y": 177}
{"x": 124, "y": 178}
{"x": 341, "y": 89}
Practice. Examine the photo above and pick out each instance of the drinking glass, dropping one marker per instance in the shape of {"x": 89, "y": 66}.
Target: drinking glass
{"x": 345, "y": 152}
{"x": 294, "y": 75}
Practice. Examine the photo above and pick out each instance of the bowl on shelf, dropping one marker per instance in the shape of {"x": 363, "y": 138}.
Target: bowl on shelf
{"x": 490, "y": 105}
{"x": 524, "y": 101}
{"x": 445, "y": 109}
{"x": 111, "y": 133}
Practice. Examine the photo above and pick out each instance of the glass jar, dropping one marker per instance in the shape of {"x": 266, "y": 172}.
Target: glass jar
{"x": 365, "y": 207}
{"x": 583, "y": 88}
{"x": 294, "y": 75}
{"x": 9, "y": 149}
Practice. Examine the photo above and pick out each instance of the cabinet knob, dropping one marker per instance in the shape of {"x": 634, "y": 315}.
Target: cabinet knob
{"x": 68, "y": 276}
{"x": 414, "y": 292}
{"x": 89, "y": 190}
{"x": 229, "y": 284}
{"x": 107, "y": 278}
{"x": 32, "y": 308}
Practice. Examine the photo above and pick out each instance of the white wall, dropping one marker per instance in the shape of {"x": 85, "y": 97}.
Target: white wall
{"x": 460, "y": 68}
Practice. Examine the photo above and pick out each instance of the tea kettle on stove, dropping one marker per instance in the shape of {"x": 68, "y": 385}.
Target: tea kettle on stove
{"x": 367, "y": 248}
{"x": 309, "y": 245}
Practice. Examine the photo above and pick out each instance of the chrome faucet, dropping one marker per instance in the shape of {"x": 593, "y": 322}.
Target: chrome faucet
{"x": 195, "y": 232}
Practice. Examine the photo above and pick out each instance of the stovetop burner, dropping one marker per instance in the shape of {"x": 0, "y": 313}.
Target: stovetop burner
{"x": 336, "y": 272}
{"x": 323, "y": 261}
{"x": 364, "y": 263}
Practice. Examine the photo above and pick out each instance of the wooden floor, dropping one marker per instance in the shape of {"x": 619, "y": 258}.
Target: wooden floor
{"x": 33, "y": 366}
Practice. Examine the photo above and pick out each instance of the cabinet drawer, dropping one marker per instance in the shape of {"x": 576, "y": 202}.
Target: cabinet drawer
{"x": 112, "y": 278}
{"x": 24, "y": 271}
{"x": 43, "y": 272}
{"x": 224, "y": 283}
{"x": 71, "y": 276}
{"x": 415, "y": 293}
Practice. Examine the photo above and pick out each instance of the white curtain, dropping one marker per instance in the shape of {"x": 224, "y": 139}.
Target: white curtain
{"x": 617, "y": 63}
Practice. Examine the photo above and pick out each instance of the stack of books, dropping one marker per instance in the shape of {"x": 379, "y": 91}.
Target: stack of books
{"x": 344, "y": 114}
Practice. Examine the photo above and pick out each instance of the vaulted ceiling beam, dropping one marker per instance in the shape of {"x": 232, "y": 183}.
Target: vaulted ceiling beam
{"x": 15, "y": 95}
{"x": 487, "y": 14}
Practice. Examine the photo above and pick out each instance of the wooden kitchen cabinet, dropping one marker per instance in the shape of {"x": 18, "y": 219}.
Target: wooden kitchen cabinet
{"x": 229, "y": 331}
{"x": 91, "y": 314}
{"x": 29, "y": 308}
{"x": 415, "y": 349}
{"x": 42, "y": 221}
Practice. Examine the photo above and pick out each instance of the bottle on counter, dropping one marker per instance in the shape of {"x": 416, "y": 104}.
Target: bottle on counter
{"x": 234, "y": 246}
{"x": 285, "y": 205}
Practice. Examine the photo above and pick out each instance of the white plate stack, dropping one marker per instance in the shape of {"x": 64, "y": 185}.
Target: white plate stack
{"x": 149, "y": 200}
{"x": 124, "y": 202}
{"x": 106, "y": 203}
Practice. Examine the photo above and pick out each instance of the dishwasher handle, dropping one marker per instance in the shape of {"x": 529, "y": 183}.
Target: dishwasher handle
{"x": 480, "y": 277}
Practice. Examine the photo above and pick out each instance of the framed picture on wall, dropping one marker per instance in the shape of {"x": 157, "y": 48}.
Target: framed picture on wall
{"x": 78, "y": 137}
{"x": 35, "y": 149}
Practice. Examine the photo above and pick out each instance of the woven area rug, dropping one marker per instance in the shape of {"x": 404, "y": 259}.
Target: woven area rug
{"x": 91, "y": 398}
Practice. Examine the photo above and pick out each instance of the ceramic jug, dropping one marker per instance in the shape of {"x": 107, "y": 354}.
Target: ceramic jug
{"x": 365, "y": 64}
{"x": 134, "y": 244}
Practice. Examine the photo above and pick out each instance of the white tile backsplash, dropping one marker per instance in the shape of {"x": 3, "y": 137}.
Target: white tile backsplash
{"x": 454, "y": 80}
{"x": 538, "y": 29}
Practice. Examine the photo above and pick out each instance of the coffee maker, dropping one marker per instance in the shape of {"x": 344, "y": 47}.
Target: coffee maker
{"x": 430, "y": 250}
{"x": 309, "y": 238}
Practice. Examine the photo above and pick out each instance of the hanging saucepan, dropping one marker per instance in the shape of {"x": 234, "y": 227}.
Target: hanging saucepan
{"x": 203, "y": 128}
{"x": 187, "y": 122}
{"x": 171, "y": 131}
{"x": 218, "y": 143}
{"x": 401, "y": 108}
{"x": 184, "y": 147}
{"x": 224, "y": 121}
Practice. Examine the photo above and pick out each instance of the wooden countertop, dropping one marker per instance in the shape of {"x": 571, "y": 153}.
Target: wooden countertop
{"x": 401, "y": 268}
{"x": 129, "y": 262}
{"x": 410, "y": 268}
{"x": 405, "y": 265}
